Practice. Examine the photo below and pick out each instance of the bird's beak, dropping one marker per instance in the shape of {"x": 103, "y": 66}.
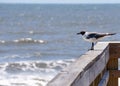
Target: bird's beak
{"x": 78, "y": 33}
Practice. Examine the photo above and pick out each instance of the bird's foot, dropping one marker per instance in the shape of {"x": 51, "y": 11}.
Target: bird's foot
{"x": 90, "y": 49}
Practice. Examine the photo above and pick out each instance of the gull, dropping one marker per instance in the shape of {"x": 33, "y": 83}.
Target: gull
{"x": 93, "y": 37}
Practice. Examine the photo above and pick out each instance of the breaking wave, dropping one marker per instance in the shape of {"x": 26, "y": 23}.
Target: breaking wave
{"x": 23, "y": 40}
{"x": 35, "y": 65}
{"x": 28, "y": 40}
{"x": 30, "y": 73}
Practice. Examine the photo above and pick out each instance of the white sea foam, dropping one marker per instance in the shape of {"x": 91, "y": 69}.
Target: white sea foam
{"x": 31, "y": 32}
{"x": 28, "y": 40}
{"x": 24, "y": 80}
{"x": 30, "y": 73}
{"x": 23, "y": 40}
{"x": 16, "y": 56}
{"x": 2, "y": 41}
{"x": 36, "y": 65}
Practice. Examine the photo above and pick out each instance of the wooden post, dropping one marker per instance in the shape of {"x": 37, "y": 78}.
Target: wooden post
{"x": 104, "y": 79}
{"x": 98, "y": 78}
{"x": 113, "y": 64}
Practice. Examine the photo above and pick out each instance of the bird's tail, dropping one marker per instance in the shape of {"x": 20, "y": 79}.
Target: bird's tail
{"x": 108, "y": 34}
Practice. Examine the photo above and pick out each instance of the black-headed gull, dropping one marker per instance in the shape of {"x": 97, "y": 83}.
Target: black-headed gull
{"x": 93, "y": 37}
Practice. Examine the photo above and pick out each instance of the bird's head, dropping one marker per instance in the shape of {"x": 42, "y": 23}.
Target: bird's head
{"x": 82, "y": 33}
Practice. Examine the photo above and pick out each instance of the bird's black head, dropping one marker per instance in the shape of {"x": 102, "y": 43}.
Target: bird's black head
{"x": 82, "y": 33}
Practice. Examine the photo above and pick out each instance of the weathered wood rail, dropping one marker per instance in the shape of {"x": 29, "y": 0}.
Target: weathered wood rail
{"x": 95, "y": 68}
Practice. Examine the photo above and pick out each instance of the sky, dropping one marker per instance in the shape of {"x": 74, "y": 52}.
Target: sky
{"x": 60, "y": 1}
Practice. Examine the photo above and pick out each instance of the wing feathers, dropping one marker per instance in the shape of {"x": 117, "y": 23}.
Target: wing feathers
{"x": 99, "y": 35}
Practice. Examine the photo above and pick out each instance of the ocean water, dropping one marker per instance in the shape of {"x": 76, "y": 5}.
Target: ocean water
{"x": 38, "y": 40}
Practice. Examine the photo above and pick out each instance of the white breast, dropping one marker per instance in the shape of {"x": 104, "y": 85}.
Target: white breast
{"x": 89, "y": 40}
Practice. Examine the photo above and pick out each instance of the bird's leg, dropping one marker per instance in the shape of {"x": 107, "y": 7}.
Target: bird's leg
{"x": 95, "y": 43}
{"x": 92, "y": 47}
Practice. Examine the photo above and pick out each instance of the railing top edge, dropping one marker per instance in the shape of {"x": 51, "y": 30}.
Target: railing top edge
{"x": 110, "y": 42}
{"x": 79, "y": 66}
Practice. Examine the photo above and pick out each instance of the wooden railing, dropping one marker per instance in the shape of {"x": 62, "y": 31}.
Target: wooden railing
{"x": 98, "y": 67}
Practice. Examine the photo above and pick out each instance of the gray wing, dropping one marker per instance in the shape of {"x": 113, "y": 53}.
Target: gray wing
{"x": 95, "y": 35}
